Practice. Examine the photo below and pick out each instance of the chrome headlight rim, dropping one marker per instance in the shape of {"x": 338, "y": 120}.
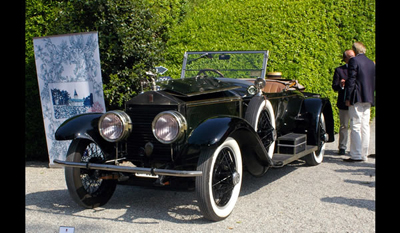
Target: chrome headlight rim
{"x": 181, "y": 126}
{"x": 125, "y": 124}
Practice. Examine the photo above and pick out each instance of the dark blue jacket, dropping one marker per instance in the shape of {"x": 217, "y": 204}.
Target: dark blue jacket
{"x": 360, "y": 85}
{"x": 340, "y": 73}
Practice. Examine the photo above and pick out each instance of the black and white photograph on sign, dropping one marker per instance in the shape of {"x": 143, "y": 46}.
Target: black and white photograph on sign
{"x": 72, "y": 98}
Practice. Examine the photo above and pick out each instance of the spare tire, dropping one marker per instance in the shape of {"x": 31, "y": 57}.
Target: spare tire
{"x": 260, "y": 115}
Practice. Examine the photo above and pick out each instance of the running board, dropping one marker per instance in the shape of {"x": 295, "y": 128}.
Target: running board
{"x": 140, "y": 170}
{"x": 280, "y": 160}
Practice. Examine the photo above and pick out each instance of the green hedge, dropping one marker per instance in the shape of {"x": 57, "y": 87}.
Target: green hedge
{"x": 306, "y": 38}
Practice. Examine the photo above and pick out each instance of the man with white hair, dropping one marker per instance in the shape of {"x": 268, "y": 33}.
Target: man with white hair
{"x": 360, "y": 87}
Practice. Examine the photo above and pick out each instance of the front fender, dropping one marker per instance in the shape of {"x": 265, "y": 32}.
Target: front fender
{"x": 83, "y": 126}
{"x": 214, "y": 131}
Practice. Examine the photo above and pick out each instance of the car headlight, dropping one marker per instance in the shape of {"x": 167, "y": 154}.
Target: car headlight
{"x": 115, "y": 125}
{"x": 169, "y": 126}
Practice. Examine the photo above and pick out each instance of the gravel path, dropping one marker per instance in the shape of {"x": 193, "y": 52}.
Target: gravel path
{"x": 332, "y": 197}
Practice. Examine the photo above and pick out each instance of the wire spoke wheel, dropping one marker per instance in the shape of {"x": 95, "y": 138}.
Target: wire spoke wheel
{"x": 223, "y": 177}
{"x": 265, "y": 129}
{"x": 85, "y": 185}
{"x": 317, "y": 156}
{"x": 260, "y": 115}
{"x": 90, "y": 180}
{"x": 219, "y": 187}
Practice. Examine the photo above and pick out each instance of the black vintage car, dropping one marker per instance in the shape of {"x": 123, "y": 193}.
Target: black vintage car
{"x": 221, "y": 117}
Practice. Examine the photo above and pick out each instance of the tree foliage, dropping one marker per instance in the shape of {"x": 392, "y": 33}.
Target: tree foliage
{"x": 131, "y": 41}
{"x": 40, "y": 15}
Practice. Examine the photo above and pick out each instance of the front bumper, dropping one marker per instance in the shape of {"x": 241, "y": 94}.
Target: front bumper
{"x": 141, "y": 170}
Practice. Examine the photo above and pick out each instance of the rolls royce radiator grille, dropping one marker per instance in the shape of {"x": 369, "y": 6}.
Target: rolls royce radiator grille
{"x": 142, "y": 116}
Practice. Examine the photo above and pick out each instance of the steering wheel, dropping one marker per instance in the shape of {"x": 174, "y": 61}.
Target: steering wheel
{"x": 203, "y": 71}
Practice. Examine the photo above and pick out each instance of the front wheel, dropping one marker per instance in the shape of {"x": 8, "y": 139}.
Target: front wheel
{"x": 219, "y": 187}
{"x": 86, "y": 186}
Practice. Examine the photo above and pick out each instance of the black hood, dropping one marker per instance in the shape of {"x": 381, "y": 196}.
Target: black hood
{"x": 178, "y": 91}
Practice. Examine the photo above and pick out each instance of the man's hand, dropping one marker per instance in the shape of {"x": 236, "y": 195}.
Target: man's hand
{"x": 342, "y": 83}
{"x": 348, "y": 103}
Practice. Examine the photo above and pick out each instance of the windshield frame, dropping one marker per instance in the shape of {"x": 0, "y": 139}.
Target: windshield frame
{"x": 206, "y": 53}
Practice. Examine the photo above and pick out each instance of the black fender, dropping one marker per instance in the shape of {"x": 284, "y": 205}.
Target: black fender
{"x": 311, "y": 109}
{"x": 84, "y": 126}
{"x": 214, "y": 131}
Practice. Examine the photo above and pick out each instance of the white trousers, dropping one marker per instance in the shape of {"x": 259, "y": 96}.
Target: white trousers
{"x": 359, "y": 126}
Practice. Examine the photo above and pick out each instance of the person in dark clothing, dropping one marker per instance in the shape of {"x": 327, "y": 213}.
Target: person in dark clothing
{"x": 360, "y": 87}
{"x": 338, "y": 84}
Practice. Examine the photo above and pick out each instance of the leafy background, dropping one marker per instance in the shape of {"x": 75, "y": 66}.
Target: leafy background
{"x": 306, "y": 39}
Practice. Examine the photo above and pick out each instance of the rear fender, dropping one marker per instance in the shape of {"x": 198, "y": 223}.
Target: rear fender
{"x": 84, "y": 126}
{"x": 312, "y": 108}
{"x": 213, "y": 132}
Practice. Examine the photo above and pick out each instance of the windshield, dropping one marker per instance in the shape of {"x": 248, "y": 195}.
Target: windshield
{"x": 197, "y": 86}
{"x": 228, "y": 64}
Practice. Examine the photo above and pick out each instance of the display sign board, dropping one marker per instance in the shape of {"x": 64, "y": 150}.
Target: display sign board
{"x": 70, "y": 83}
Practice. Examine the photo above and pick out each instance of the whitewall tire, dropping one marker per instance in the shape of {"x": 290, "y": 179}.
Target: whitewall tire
{"x": 219, "y": 187}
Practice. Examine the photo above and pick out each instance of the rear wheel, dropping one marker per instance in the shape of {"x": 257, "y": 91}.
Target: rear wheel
{"x": 317, "y": 156}
{"x": 84, "y": 185}
{"x": 219, "y": 187}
